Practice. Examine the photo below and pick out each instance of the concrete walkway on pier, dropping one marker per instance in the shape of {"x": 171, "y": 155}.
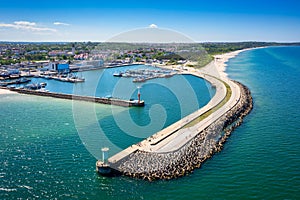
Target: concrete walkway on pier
{"x": 175, "y": 136}
{"x": 184, "y": 135}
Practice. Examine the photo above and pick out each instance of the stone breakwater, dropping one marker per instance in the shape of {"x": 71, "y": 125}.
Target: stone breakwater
{"x": 101, "y": 100}
{"x": 153, "y": 166}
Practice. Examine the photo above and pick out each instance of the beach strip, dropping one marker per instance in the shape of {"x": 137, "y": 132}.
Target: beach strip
{"x": 4, "y": 91}
{"x": 222, "y": 59}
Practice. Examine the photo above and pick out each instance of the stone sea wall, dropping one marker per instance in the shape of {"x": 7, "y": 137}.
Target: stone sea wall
{"x": 152, "y": 166}
{"x": 102, "y": 100}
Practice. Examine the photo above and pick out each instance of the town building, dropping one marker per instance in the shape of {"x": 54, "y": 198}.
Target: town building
{"x": 59, "y": 67}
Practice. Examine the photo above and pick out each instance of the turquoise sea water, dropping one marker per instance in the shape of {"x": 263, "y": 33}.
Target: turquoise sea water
{"x": 49, "y": 146}
{"x": 43, "y": 154}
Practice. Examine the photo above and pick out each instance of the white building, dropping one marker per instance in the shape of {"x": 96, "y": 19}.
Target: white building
{"x": 53, "y": 66}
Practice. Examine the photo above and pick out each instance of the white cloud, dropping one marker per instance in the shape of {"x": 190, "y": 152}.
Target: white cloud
{"x": 153, "y": 26}
{"x": 61, "y": 23}
{"x": 25, "y": 25}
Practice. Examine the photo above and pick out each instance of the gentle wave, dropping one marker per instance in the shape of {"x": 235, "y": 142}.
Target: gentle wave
{"x": 8, "y": 189}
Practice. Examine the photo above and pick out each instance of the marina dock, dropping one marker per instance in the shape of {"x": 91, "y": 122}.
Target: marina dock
{"x": 63, "y": 79}
{"x": 12, "y": 82}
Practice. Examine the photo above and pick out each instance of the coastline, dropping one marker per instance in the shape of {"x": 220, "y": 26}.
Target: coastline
{"x": 221, "y": 60}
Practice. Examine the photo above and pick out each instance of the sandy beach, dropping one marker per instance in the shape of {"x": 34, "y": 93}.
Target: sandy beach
{"x": 3, "y": 91}
{"x": 222, "y": 59}
{"x": 216, "y": 67}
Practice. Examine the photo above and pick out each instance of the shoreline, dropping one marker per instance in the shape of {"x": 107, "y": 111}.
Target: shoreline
{"x": 221, "y": 60}
{"x": 6, "y": 91}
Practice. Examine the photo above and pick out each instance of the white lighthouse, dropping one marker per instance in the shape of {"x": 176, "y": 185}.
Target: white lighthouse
{"x": 104, "y": 154}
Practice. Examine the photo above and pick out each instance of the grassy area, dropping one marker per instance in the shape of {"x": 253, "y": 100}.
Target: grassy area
{"x": 209, "y": 112}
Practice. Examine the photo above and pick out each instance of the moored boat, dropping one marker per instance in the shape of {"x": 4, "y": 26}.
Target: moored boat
{"x": 118, "y": 74}
{"x": 43, "y": 84}
{"x": 33, "y": 86}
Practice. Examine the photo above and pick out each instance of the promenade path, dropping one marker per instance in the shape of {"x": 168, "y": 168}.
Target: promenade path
{"x": 175, "y": 136}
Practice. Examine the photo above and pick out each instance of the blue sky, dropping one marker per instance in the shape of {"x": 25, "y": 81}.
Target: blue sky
{"x": 203, "y": 21}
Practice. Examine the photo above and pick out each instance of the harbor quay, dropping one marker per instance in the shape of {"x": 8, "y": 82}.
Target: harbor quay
{"x": 101, "y": 100}
{"x": 183, "y": 146}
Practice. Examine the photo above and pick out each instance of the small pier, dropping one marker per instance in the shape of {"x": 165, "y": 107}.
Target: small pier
{"x": 102, "y": 100}
{"x": 72, "y": 79}
{"x": 142, "y": 75}
{"x": 20, "y": 81}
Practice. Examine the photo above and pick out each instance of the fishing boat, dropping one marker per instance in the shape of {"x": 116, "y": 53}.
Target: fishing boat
{"x": 43, "y": 84}
{"x": 118, "y": 74}
{"x": 33, "y": 86}
{"x": 76, "y": 80}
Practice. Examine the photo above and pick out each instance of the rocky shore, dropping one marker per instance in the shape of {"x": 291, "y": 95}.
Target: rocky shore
{"x": 153, "y": 166}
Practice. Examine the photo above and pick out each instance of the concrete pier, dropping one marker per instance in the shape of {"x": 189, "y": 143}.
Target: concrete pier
{"x": 110, "y": 101}
{"x": 186, "y": 144}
